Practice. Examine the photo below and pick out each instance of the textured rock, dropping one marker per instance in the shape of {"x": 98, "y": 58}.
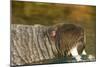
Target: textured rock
{"x": 31, "y": 44}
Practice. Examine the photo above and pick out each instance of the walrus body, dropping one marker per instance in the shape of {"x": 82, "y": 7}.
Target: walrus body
{"x": 70, "y": 40}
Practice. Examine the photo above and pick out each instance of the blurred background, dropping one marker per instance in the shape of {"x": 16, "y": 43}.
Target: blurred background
{"x": 31, "y": 13}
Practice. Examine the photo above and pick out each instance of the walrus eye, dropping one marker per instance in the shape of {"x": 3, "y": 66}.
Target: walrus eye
{"x": 53, "y": 33}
